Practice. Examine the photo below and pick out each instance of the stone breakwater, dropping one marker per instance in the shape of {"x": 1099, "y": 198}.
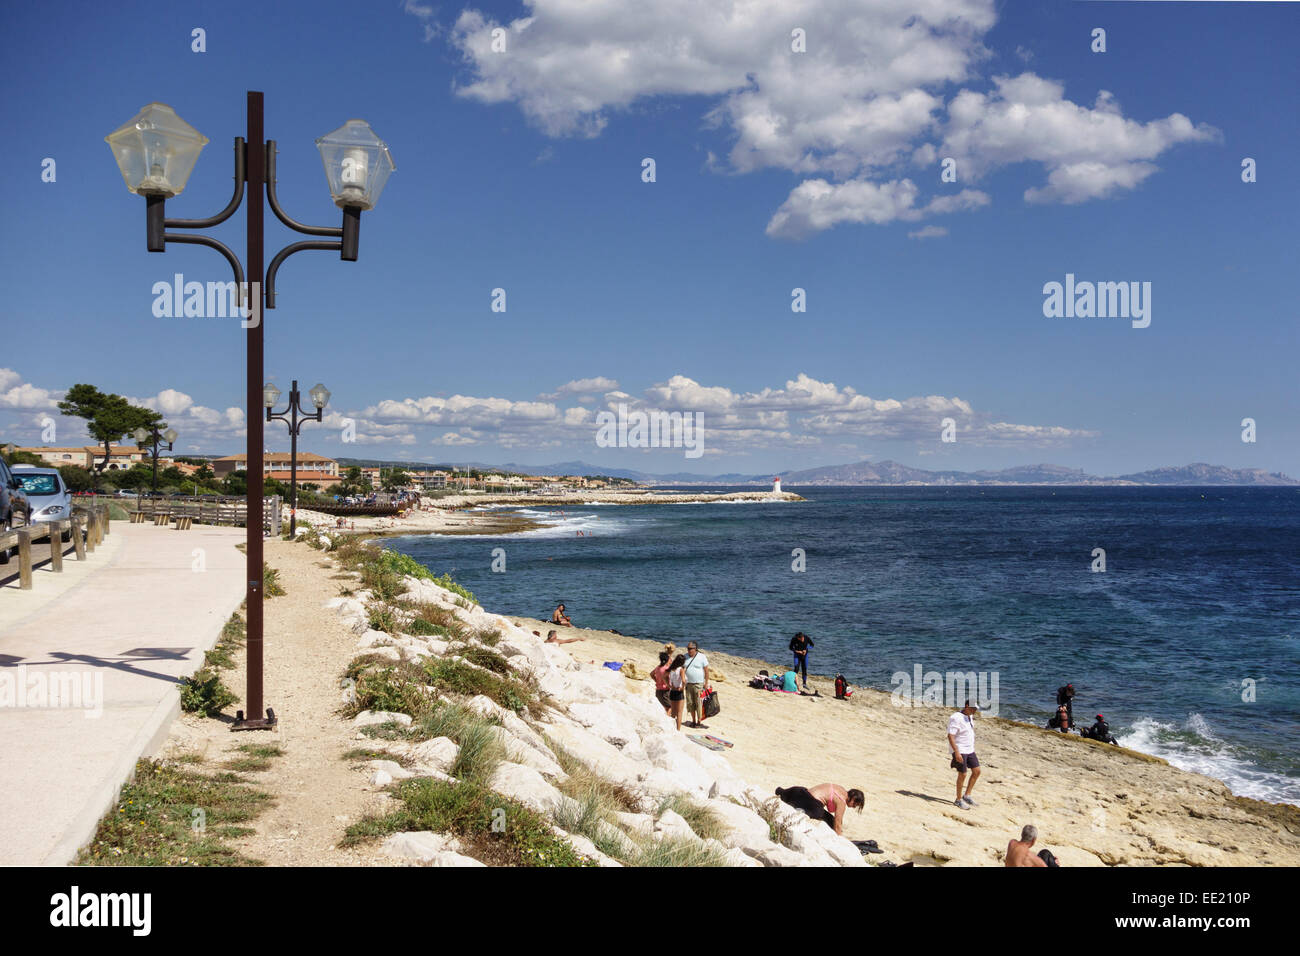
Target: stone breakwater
{"x": 615, "y": 729}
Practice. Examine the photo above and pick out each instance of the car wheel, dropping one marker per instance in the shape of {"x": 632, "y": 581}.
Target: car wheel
{"x": 8, "y": 524}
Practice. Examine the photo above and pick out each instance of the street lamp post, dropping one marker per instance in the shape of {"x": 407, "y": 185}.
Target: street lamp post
{"x": 143, "y": 436}
{"x": 156, "y": 151}
{"x": 294, "y": 416}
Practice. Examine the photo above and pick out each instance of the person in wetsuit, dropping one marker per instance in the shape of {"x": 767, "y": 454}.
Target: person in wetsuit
{"x": 799, "y": 645}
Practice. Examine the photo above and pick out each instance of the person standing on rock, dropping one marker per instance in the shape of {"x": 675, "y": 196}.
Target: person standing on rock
{"x": 660, "y": 676}
{"x": 961, "y": 741}
{"x": 697, "y": 681}
{"x": 676, "y": 687}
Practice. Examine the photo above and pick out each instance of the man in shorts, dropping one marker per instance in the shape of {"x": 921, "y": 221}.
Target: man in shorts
{"x": 697, "y": 679}
{"x": 961, "y": 741}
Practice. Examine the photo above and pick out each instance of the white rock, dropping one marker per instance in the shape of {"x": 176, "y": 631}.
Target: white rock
{"x": 734, "y": 856}
{"x": 804, "y": 840}
{"x": 839, "y": 849}
{"x": 388, "y": 653}
{"x": 527, "y": 786}
{"x": 602, "y": 757}
{"x": 394, "y": 769}
{"x": 585, "y": 847}
{"x": 420, "y": 844}
{"x": 745, "y": 827}
{"x": 368, "y": 717}
{"x": 665, "y": 752}
{"x": 607, "y": 720}
{"x": 640, "y": 825}
{"x": 672, "y": 826}
{"x": 454, "y": 859}
{"x": 380, "y": 778}
{"x": 439, "y": 753}
{"x": 520, "y": 752}
{"x": 373, "y": 638}
{"x": 774, "y": 855}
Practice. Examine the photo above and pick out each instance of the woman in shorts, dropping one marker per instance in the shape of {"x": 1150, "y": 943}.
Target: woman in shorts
{"x": 677, "y": 687}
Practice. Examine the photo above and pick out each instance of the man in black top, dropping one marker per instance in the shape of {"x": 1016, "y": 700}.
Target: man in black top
{"x": 1065, "y": 695}
{"x": 1100, "y": 731}
{"x": 799, "y": 644}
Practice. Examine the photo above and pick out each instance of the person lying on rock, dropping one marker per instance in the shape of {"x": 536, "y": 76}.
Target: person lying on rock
{"x": 553, "y": 638}
{"x": 826, "y": 802}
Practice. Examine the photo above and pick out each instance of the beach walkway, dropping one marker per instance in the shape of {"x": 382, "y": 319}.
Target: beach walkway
{"x": 107, "y": 640}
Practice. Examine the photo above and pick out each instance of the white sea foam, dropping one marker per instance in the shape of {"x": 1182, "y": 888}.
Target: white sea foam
{"x": 1195, "y": 747}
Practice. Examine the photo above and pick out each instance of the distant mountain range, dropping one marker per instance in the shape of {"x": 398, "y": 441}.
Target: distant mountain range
{"x": 888, "y": 473}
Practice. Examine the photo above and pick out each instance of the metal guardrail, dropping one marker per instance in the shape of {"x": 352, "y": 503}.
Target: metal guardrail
{"x": 87, "y": 528}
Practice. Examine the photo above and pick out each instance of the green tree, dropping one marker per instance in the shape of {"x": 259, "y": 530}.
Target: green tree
{"x": 394, "y": 479}
{"x": 108, "y": 417}
{"x": 204, "y": 475}
{"x": 235, "y": 483}
{"x": 76, "y": 478}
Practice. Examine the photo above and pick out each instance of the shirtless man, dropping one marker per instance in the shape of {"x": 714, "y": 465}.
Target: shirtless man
{"x": 1021, "y": 852}
{"x": 559, "y": 617}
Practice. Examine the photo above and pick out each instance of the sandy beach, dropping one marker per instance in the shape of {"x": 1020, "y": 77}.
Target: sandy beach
{"x": 1093, "y": 804}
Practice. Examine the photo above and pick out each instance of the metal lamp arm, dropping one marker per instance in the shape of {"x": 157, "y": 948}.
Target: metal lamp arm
{"x": 235, "y": 200}
{"x": 280, "y": 214}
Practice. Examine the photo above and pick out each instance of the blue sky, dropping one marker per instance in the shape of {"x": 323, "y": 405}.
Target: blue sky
{"x": 775, "y": 170}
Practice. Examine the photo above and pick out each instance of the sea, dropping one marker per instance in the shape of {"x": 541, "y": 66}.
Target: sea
{"x": 1188, "y": 641}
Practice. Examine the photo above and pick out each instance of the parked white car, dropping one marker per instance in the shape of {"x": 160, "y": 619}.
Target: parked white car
{"x": 47, "y": 495}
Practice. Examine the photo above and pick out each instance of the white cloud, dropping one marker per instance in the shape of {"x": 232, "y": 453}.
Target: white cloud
{"x": 928, "y": 232}
{"x": 866, "y": 98}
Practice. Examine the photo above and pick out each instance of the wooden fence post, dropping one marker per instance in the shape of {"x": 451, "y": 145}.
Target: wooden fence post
{"x": 78, "y": 542}
{"x": 25, "y": 559}
{"x": 56, "y": 546}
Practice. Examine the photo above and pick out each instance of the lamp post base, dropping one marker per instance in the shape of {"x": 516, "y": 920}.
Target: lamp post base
{"x": 269, "y": 722}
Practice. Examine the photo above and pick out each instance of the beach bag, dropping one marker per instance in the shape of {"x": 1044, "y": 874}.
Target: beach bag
{"x": 711, "y": 705}
{"x": 1047, "y": 857}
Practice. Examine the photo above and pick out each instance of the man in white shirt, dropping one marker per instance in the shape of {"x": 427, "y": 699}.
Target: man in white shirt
{"x": 961, "y": 741}
{"x": 697, "y": 680}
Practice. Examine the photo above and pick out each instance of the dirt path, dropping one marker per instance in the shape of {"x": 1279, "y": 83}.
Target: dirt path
{"x": 317, "y": 793}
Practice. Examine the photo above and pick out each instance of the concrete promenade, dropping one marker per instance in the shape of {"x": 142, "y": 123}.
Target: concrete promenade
{"x": 112, "y": 636}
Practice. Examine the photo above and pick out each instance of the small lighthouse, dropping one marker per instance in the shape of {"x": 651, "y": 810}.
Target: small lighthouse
{"x": 776, "y": 485}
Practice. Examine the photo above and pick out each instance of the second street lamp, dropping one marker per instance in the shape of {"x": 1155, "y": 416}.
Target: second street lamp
{"x": 144, "y": 436}
{"x": 294, "y": 416}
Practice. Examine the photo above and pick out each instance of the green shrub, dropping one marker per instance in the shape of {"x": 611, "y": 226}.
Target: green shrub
{"x": 271, "y": 586}
{"x": 203, "y": 692}
{"x": 680, "y": 853}
{"x": 469, "y": 811}
{"x": 705, "y": 823}
{"x": 460, "y": 678}
{"x": 481, "y": 751}
{"x": 153, "y": 821}
{"x": 485, "y": 658}
{"x": 395, "y": 562}
{"x": 394, "y": 688}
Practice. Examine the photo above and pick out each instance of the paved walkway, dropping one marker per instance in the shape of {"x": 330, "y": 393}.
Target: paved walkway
{"x": 112, "y": 635}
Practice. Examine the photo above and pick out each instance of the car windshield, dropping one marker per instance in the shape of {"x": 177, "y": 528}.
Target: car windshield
{"x": 39, "y": 484}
